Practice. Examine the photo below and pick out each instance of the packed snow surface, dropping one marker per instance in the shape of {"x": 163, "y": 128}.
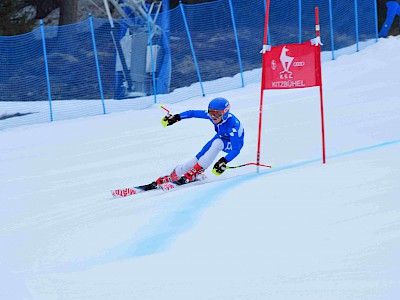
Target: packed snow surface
{"x": 301, "y": 230}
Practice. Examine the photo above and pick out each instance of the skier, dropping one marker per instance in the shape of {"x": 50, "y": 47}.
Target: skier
{"x": 229, "y": 138}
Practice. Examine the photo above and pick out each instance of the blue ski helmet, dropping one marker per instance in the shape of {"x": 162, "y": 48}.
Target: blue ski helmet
{"x": 219, "y": 107}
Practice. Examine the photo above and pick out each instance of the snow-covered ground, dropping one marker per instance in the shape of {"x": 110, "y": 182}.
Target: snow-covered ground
{"x": 302, "y": 230}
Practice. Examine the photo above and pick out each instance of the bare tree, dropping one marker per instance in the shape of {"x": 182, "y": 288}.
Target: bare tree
{"x": 44, "y": 7}
{"x": 68, "y": 12}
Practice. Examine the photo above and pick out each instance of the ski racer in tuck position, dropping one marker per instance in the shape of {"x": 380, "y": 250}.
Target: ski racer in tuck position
{"x": 229, "y": 138}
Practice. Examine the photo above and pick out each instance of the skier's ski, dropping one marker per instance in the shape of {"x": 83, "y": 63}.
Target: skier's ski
{"x": 122, "y": 193}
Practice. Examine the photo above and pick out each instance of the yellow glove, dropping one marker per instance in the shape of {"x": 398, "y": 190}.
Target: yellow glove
{"x": 220, "y": 166}
{"x": 170, "y": 119}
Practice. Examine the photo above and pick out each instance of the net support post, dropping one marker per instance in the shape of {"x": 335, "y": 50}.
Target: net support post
{"x": 331, "y": 27}
{"x": 153, "y": 73}
{"x": 321, "y": 97}
{"x": 191, "y": 47}
{"x": 46, "y": 65}
{"x": 376, "y": 21}
{"x": 96, "y": 59}
{"x": 356, "y": 24}
{"x": 300, "y": 21}
{"x": 237, "y": 41}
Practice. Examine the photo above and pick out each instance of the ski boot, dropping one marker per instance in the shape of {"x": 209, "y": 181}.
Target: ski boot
{"x": 190, "y": 175}
{"x": 168, "y": 178}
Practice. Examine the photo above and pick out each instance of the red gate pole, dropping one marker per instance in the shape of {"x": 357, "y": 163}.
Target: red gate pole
{"x": 262, "y": 85}
{"x": 317, "y": 29}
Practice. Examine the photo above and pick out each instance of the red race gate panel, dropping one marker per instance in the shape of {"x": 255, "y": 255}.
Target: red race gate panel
{"x": 291, "y": 66}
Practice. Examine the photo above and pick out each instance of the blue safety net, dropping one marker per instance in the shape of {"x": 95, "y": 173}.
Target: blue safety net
{"x": 75, "y": 70}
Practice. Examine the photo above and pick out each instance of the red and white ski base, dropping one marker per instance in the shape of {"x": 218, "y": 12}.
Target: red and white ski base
{"x": 122, "y": 193}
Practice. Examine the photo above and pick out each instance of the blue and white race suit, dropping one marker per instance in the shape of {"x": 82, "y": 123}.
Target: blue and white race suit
{"x": 229, "y": 138}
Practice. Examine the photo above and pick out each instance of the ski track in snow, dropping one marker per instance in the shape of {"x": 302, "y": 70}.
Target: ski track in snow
{"x": 301, "y": 230}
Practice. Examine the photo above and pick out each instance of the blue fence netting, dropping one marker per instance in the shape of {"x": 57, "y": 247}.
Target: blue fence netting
{"x": 75, "y": 70}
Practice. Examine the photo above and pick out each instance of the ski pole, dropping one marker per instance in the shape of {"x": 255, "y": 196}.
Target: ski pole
{"x": 164, "y": 122}
{"x": 165, "y": 109}
{"x": 249, "y": 164}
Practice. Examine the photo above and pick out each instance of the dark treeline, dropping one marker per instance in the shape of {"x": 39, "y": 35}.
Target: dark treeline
{"x": 15, "y": 18}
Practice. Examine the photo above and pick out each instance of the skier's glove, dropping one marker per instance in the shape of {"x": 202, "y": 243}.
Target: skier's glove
{"x": 170, "y": 119}
{"x": 220, "y": 166}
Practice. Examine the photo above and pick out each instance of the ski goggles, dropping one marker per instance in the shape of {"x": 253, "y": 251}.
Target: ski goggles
{"x": 216, "y": 114}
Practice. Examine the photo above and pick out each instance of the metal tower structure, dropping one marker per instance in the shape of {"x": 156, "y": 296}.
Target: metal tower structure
{"x": 139, "y": 44}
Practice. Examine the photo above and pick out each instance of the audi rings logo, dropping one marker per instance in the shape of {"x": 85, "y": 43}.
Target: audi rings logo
{"x": 299, "y": 64}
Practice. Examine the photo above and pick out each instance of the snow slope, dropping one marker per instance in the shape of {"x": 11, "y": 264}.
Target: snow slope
{"x": 302, "y": 230}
